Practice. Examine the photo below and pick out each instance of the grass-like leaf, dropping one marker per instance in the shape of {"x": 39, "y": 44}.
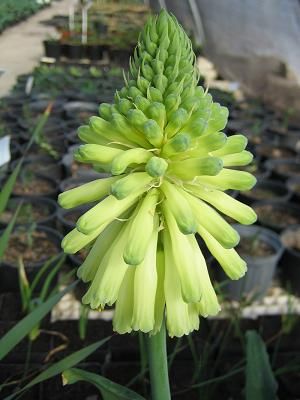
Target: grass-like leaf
{"x": 23, "y": 327}
{"x": 109, "y": 390}
{"x": 260, "y": 381}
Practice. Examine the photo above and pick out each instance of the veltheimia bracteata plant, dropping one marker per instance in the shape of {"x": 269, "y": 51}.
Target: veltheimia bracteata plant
{"x": 170, "y": 166}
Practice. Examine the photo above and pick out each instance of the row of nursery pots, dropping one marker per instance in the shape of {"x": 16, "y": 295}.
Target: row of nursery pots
{"x": 76, "y": 51}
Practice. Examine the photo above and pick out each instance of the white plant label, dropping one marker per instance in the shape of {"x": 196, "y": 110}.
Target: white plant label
{"x": 4, "y": 150}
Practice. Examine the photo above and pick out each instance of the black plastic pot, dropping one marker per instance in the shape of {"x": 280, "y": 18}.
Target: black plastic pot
{"x": 52, "y": 192}
{"x": 261, "y": 269}
{"x": 266, "y": 190}
{"x": 67, "y": 224}
{"x": 74, "y": 51}
{"x": 43, "y": 203}
{"x": 9, "y": 272}
{"x": 94, "y": 52}
{"x": 290, "y": 262}
{"x": 283, "y": 168}
{"x": 276, "y": 215}
{"x": 46, "y": 165}
{"x": 52, "y": 48}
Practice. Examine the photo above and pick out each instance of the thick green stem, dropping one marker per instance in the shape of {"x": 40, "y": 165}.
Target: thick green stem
{"x": 158, "y": 365}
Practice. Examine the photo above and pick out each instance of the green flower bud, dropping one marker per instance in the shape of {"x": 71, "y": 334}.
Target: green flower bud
{"x": 105, "y": 111}
{"x": 154, "y": 94}
{"x": 158, "y": 66}
{"x": 234, "y": 144}
{"x": 179, "y": 143}
{"x": 127, "y": 158}
{"x": 157, "y": 112}
{"x": 133, "y": 92}
{"x": 188, "y": 169}
{"x": 147, "y": 71}
{"x": 86, "y": 193}
{"x": 141, "y": 103}
{"x": 177, "y": 119}
{"x": 156, "y": 167}
{"x": 130, "y": 184}
{"x": 172, "y": 103}
{"x": 124, "y": 105}
{"x": 230, "y": 179}
{"x": 136, "y": 118}
{"x": 94, "y": 153}
{"x": 161, "y": 82}
{"x": 153, "y": 132}
{"x": 87, "y": 135}
{"x": 142, "y": 84}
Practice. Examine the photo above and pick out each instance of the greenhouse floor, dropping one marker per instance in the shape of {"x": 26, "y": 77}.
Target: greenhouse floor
{"x": 21, "y": 46}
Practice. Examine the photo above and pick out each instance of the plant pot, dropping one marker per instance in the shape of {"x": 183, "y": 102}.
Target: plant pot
{"x": 293, "y": 185}
{"x": 94, "y": 52}
{"x": 46, "y": 244}
{"x": 36, "y": 185}
{"x": 261, "y": 267}
{"x": 74, "y": 51}
{"x": 283, "y": 168}
{"x": 276, "y": 215}
{"x": 52, "y": 48}
{"x": 290, "y": 262}
{"x": 46, "y": 165}
{"x": 266, "y": 190}
{"x": 40, "y": 210}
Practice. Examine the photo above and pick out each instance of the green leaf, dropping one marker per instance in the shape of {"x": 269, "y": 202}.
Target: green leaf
{"x": 4, "y": 238}
{"x": 8, "y": 186}
{"x": 108, "y": 389}
{"x": 23, "y": 327}
{"x": 62, "y": 365}
{"x": 260, "y": 381}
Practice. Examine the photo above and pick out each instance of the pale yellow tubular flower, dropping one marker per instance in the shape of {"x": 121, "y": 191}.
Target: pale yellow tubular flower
{"x": 88, "y": 269}
{"x": 178, "y": 318}
{"x": 224, "y": 203}
{"x": 229, "y": 179}
{"x": 160, "y": 302}
{"x": 124, "y": 305}
{"x": 237, "y": 159}
{"x": 179, "y": 207}
{"x": 141, "y": 229}
{"x": 208, "y": 305}
{"x": 106, "y": 211}
{"x": 86, "y": 193}
{"x": 178, "y": 245}
{"x": 145, "y": 285}
{"x": 75, "y": 240}
{"x": 110, "y": 273}
{"x": 234, "y": 266}
{"x": 212, "y": 222}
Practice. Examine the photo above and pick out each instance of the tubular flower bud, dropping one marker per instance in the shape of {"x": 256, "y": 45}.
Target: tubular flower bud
{"x": 170, "y": 162}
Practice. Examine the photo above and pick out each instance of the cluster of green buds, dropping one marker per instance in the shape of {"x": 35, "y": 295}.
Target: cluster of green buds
{"x": 162, "y": 143}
